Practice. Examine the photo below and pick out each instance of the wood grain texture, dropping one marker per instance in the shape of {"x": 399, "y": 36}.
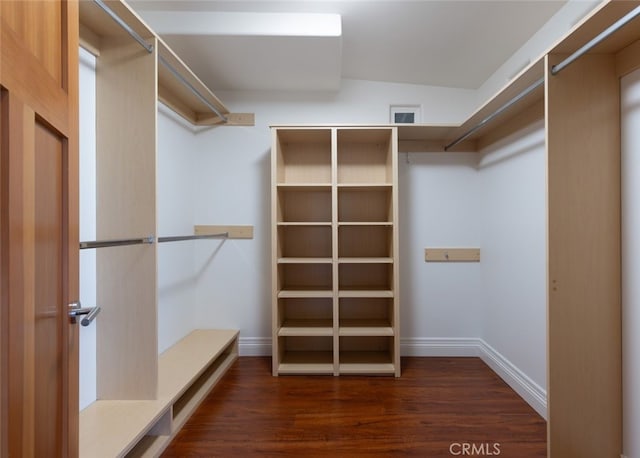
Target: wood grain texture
{"x": 452, "y": 254}
{"x": 4, "y": 274}
{"x": 187, "y": 372}
{"x": 233, "y": 232}
{"x": 337, "y": 186}
{"x": 436, "y": 403}
{"x": 584, "y": 335}
{"x": 126, "y": 207}
{"x": 39, "y": 227}
{"x": 628, "y": 59}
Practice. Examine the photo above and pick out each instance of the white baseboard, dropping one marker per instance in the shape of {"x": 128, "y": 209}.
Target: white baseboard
{"x": 254, "y": 346}
{"x": 530, "y": 391}
{"x": 439, "y": 346}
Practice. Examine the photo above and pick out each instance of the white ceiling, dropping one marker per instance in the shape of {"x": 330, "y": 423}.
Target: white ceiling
{"x": 441, "y": 42}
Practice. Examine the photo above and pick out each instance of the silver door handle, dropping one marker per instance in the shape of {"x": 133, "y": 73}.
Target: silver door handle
{"x": 87, "y": 313}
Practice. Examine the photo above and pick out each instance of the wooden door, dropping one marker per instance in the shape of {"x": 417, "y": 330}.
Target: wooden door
{"x": 39, "y": 227}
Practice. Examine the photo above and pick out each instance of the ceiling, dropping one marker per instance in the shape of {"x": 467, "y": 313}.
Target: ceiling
{"x": 312, "y": 45}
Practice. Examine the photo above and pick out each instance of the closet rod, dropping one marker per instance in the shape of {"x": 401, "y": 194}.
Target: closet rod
{"x": 496, "y": 113}
{"x": 183, "y": 80}
{"x": 180, "y": 238}
{"x": 124, "y": 25}
{"x": 118, "y": 242}
{"x": 624, "y": 20}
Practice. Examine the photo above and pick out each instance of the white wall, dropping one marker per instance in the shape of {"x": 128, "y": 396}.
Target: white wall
{"x": 234, "y": 286}
{"x": 630, "y": 98}
{"x": 513, "y": 226}
{"x": 87, "y": 88}
{"x": 176, "y": 188}
{"x": 439, "y": 207}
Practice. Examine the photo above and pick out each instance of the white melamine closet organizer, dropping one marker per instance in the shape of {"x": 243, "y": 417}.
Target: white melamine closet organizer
{"x": 581, "y": 109}
{"x": 142, "y": 398}
{"x": 335, "y": 250}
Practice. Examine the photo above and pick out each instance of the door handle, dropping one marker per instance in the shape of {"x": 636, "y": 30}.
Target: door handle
{"x": 88, "y": 314}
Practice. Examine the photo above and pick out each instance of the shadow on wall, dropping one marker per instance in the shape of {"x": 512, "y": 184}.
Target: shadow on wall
{"x": 500, "y": 152}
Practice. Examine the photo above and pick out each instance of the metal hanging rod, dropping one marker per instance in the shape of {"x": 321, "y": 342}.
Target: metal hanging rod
{"x": 119, "y": 242}
{"x": 180, "y": 238}
{"x": 554, "y": 71}
{"x": 149, "y": 48}
{"x": 624, "y": 20}
{"x": 148, "y": 240}
{"x": 496, "y": 113}
{"x": 124, "y": 25}
{"x": 197, "y": 93}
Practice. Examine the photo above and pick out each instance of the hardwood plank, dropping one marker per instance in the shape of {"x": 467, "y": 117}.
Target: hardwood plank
{"x": 436, "y": 403}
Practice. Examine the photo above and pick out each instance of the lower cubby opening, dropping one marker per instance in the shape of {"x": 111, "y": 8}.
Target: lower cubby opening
{"x": 370, "y": 241}
{"x": 184, "y": 406}
{"x": 366, "y": 355}
{"x": 304, "y": 241}
{"x": 305, "y": 277}
{"x": 305, "y": 313}
{"x": 305, "y": 355}
{"x": 366, "y": 312}
{"x": 365, "y": 204}
{"x": 304, "y": 205}
{"x": 365, "y": 276}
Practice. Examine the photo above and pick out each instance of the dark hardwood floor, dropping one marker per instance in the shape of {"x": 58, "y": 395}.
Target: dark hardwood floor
{"x": 440, "y": 407}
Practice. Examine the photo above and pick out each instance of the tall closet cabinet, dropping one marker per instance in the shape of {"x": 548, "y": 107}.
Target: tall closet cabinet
{"x": 143, "y": 398}
{"x": 335, "y": 250}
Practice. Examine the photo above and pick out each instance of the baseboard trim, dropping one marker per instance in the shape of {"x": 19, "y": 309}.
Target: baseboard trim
{"x": 440, "y": 346}
{"x": 530, "y": 391}
{"x": 254, "y": 346}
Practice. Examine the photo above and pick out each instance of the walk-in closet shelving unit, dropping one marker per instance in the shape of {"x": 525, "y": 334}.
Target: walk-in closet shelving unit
{"x": 335, "y": 266}
{"x": 575, "y": 88}
{"x": 142, "y": 398}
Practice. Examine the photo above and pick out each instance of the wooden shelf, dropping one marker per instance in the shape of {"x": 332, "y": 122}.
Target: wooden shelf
{"x": 98, "y": 30}
{"x": 354, "y": 250}
{"x": 362, "y": 367}
{"x": 113, "y": 428}
{"x": 300, "y": 293}
{"x": 305, "y": 260}
{"x": 363, "y": 260}
{"x": 306, "y": 328}
{"x": 365, "y": 186}
{"x": 303, "y": 205}
{"x": 304, "y": 186}
{"x": 365, "y": 223}
{"x": 187, "y": 373}
{"x": 361, "y": 328}
{"x": 352, "y": 293}
{"x": 306, "y": 362}
{"x": 304, "y": 242}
